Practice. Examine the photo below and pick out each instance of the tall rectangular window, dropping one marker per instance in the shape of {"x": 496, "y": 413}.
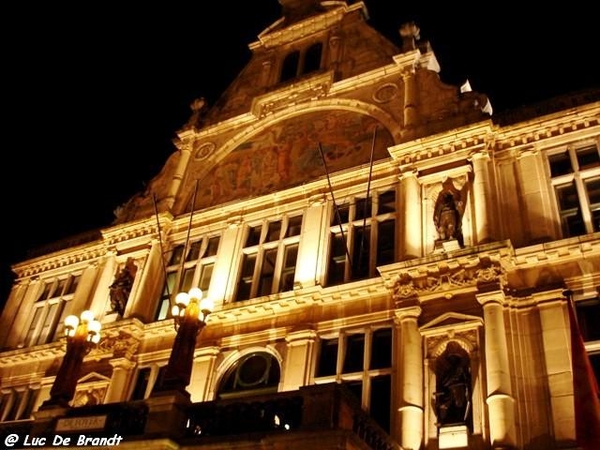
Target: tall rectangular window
{"x": 269, "y": 258}
{"x": 575, "y": 172}
{"x": 362, "y": 236}
{"x": 362, "y": 360}
{"x": 189, "y": 266}
{"x": 17, "y": 403}
{"x": 49, "y": 310}
{"x": 588, "y": 319}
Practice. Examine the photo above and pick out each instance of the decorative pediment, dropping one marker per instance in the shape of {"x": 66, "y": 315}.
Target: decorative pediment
{"x": 450, "y": 319}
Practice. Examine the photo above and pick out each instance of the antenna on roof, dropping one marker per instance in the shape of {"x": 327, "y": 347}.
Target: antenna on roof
{"x": 365, "y": 211}
{"x": 160, "y": 244}
{"x": 337, "y": 210}
{"x": 187, "y": 238}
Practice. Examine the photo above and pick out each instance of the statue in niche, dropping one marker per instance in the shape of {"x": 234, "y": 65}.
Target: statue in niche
{"x": 453, "y": 386}
{"x": 121, "y": 287}
{"x": 448, "y": 212}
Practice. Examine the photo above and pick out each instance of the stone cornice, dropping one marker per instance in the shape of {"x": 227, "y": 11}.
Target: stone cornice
{"x": 467, "y": 271}
{"x": 555, "y": 128}
{"x": 453, "y": 145}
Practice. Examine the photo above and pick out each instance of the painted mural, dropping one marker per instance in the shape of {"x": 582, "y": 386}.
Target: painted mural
{"x": 290, "y": 154}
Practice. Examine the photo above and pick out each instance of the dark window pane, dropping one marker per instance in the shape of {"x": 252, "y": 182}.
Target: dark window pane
{"x": 253, "y": 236}
{"x": 245, "y": 284}
{"x": 356, "y": 388}
{"x": 194, "y": 251}
{"x": 73, "y": 285}
{"x": 560, "y": 164}
{"x": 573, "y": 224}
{"x": 596, "y": 219}
{"x": 340, "y": 214}
{"x": 266, "y": 273}
{"x": 290, "y": 66}
{"x": 387, "y": 202}
{"x": 312, "y": 58}
{"x": 176, "y": 255}
{"x": 588, "y": 317}
{"x": 588, "y": 157}
{"x": 593, "y": 190}
{"x": 381, "y": 393}
{"x": 327, "y": 357}
{"x": 386, "y": 242}
{"x": 337, "y": 260}
{"x": 595, "y": 360}
{"x": 294, "y": 226}
{"x": 141, "y": 384}
{"x": 363, "y": 209}
{"x": 381, "y": 351}
{"x": 567, "y": 196}
{"x": 289, "y": 268}
{"x": 213, "y": 245}
{"x": 274, "y": 231}
{"x": 355, "y": 350}
{"x": 360, "y": 256}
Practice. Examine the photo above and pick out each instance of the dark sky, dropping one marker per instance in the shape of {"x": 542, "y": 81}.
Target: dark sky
{"x": 94, "y": 92}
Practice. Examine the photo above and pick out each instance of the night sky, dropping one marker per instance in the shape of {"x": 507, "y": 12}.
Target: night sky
{"x": 93, "y": 93}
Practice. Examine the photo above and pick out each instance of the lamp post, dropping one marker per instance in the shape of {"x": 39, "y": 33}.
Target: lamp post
{"x": 83, "y": 333}
{"x": 189, "y": 313}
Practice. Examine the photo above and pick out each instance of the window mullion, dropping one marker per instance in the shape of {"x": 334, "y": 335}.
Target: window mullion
{"x": 584, "y": 203}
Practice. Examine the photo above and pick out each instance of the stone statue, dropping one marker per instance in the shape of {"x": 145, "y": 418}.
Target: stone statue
{"x": 121, "y": 287}
{"x": 453, "y": 393}
{"x": 448, "y": 212}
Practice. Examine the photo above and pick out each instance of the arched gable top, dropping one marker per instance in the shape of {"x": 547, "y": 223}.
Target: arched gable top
{"x": 287, "y": 154}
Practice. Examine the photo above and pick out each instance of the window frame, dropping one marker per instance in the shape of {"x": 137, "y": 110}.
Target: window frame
{"x": 577, "y": 178}
{"x": 184, "y": 271}
{"x": 366, "y": 375}
{"x": 50, "y": 309}
{"x": 353, "y": 222}
{"x": 251, "y": 279}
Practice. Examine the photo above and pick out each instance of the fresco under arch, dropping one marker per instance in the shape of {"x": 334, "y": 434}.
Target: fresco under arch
{"x": 288, "y": 155}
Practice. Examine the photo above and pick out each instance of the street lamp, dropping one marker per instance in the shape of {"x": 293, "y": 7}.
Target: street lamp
{"x": 189, "y": 314}
{"x": 83, "y": 333}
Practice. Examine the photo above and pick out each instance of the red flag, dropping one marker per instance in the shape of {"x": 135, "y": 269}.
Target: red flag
{"x": 585, "y": 389}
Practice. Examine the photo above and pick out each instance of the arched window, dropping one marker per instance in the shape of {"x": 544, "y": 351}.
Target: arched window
{"x": 289, "y": 68}
{"x": 312, "y": 58}
{"x": 254, "y": 373}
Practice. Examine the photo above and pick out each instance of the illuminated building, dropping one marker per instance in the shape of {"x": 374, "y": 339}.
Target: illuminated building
{"x": 390, "y": 264}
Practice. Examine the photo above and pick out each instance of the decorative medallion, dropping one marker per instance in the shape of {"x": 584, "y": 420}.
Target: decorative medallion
{"x": 385, "y": 93}
{"x": 204, "y": 150}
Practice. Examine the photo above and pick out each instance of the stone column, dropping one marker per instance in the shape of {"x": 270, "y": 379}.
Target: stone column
{"x": 185, "y": 151}
{"x": 536, "y": 212}
{"x": 299, "y": 359}
{"x": 118, "y": 388}
{"x": 481, "y": 194}
{"x": 203, "y": 372}
{"x": 409, "y": 385}
{"x": 555, "y": 333}
{"x": 500, "y": 400}
{"x": 410, "y": 98}
{"x": 412, "y": 226}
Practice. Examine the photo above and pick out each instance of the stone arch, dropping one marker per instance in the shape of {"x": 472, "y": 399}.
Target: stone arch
{"x": 253, "y": 370}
